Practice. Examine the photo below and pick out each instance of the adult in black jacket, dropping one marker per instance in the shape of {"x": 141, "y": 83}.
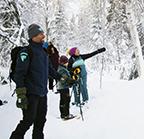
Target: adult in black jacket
{"x": 54, "y": 58}
{"x": 77, "y": 60}
{"x": 31, "y": 85}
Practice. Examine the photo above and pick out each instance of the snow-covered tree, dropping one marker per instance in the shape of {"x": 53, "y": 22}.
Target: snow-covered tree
{"x": 135, "y": 10}
{"x": 117, "y": 25}
{"x": 11, "y": 29}
{"x": 58, "y": 28}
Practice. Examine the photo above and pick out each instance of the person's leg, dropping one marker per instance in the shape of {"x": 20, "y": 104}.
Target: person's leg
{"x": 40, "y": 118}
{"x": 76, "y": 94}
{"x": 67, "y": 101}
{"x": 83, "y": 88}
{"x": 28, "y": 118}
{"x": 64, "y": 102}
{"x": 50, "y": 83}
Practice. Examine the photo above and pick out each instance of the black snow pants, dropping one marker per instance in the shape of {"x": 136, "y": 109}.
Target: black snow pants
{"x": 34, "y": 115}
{"x": 64, "y": 102}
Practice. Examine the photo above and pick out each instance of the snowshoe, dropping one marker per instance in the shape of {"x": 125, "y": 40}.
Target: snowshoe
{"x": 70, "y": 116}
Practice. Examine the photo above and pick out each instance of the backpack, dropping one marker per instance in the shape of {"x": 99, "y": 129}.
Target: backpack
{"x": 14, "y": 55}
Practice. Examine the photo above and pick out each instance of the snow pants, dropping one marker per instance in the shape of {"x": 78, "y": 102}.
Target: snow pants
{"x": 64, "y": 105}
{"x": 51, "y": 83}
{"x": 34, "y": 115}
{"x": 83, "y": 88}
{"x": 83, "y": 91}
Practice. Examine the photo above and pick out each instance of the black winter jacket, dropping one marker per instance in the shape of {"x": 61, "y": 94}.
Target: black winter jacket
{"x": 32, "y": 73}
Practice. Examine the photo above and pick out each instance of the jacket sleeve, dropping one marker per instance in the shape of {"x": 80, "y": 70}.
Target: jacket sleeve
{"x": 21, "y": 69}
{"x": 53, "y": 73}
{"x": 66, "y": 76}
{"x": 86, "y": 56}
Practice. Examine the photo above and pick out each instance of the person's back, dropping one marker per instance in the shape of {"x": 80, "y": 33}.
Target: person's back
{"x": 53, "y": 55}
{"x": 64, "y": 72}
{"x": 54, "y": 59}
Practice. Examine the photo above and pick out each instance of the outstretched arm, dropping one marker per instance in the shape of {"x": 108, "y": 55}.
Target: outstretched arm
{"x": 86, "y": 56}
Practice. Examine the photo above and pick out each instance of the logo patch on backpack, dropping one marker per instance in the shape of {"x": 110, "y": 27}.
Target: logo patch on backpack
{"x": 23, "y": 56}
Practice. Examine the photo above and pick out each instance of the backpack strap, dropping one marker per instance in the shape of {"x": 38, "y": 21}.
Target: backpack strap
{"x": 30, "y": 52}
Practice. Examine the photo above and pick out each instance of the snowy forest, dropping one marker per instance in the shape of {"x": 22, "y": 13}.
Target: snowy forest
{"x": 117, "y": 25}
{"x": 115, "y": 77}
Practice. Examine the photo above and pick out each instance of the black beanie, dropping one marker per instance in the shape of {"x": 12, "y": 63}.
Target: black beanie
{"x": 34, "y": 30}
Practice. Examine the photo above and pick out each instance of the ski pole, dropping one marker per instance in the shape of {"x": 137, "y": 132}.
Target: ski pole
{"x": 81, "y": 112}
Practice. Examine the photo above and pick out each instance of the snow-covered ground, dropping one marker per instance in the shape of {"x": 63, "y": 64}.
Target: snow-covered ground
{"x": 116, "y": 111}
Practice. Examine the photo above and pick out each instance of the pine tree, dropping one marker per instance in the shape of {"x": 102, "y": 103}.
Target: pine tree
{"x": 11, "y": 29}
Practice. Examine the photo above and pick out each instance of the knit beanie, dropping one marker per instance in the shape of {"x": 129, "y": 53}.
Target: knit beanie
{"x": 34, "y": 30}
{"x": 63, "y": 59}
{"x": 72, "y": 51}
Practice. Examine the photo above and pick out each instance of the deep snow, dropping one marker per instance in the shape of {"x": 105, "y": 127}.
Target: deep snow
{"x": 114, "y": 112}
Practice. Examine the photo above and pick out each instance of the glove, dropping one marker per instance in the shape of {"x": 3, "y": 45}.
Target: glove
{"x": 22, "y": 101}
{"x": 101, "y": 50}
{"x": 68, "y": 80}
{"x": 71, "y": 81}
{"x": 64, "y": 77}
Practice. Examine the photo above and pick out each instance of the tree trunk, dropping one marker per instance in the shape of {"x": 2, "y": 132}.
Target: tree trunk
{"x": 136, "y": 41}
